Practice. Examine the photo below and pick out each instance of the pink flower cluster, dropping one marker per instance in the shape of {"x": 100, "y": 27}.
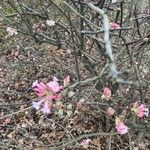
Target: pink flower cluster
{"x": 140, "y": 109}
{"x": 47, "y": 93}
{"x": 120, "y": 126}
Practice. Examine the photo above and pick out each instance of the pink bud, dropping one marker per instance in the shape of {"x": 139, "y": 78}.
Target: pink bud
{"x": 146, "y": 39}
{"x": 110, "y": 111}
{"x": 66, "y": 81}
{"x": 106, "y": 93}
{"x": 80, "y": 103}
{"x": 114, "y": 25}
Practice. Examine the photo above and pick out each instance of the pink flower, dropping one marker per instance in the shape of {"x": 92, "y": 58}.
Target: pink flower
{"x": 120, "y": 126}
{"x": 106, "y": 93}
{"x": 47, "y": 93}
{"x": 140, "y": 110}
{"x": 50, "y": 23}
{"x": 54, "y": 85}
{"x": 114, "y": 25}
{"x": 85, "y": 143}
{"x": 110, "y": 111}
{"x": 40, "y": 88}
{"x": 11, "y": 31}
{"x": 50, "y": 88}
{"x": 57, "y": 97}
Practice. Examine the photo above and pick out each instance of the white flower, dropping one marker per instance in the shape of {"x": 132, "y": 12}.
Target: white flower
{"x": 86, "y": 142}
{"x": 11, "y": 31}
{"x": 50, "y": 23}
{"x": 36, "y": 105}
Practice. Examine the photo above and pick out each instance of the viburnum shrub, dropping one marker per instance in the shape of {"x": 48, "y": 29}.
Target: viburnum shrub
{"x": 51, "y": 92}
{"x": 140, "y": 110}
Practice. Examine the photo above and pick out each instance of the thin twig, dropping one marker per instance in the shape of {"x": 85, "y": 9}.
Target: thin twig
{"x": 71, "y": 8}
{"x": 15, "y": 113}
{"x": 82, "y": 137}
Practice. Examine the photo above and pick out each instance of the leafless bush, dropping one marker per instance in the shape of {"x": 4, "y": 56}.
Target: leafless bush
{"x": 93, "y": 52}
